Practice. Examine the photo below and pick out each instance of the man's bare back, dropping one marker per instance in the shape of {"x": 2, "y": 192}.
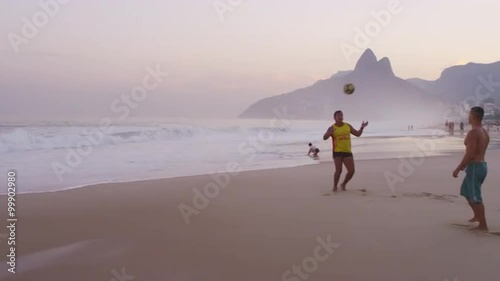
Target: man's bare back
{"x": 482, "y": 139}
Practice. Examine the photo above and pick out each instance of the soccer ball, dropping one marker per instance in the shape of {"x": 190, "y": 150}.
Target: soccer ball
{"x": 349, "y": 88}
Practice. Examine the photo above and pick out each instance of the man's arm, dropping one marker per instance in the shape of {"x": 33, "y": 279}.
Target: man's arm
{"x": 471, "y": 144}
{"x": 328, "y": 133}
{"x": 356, "y": 132}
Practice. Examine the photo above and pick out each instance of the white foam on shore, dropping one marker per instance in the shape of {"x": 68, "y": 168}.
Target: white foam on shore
{"x": 137, "y": 152}
{"x": 315, "y": 162}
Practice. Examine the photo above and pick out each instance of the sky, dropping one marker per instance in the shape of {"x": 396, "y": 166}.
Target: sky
{"x": 222, "y": 55}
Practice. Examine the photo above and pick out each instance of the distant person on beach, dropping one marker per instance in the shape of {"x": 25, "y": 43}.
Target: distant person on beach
{"x": 475, "y": 167}
{"x": 313, "y": 149}
{"x": 462, "y": 127}
{"x": 340, "y": 132}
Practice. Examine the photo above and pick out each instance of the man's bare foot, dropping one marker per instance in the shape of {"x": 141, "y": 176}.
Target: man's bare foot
{"x": 474, "y": 219}
{"x": 335, "y": 189}
{"x": 342, "y": 186}
{"x": 480, "y": 228}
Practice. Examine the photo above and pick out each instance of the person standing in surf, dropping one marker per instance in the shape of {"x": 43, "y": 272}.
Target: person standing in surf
{"x": 340, "y": 132}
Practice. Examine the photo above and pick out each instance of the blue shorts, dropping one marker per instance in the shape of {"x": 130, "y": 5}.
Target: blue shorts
{"x": 474, "y": 178}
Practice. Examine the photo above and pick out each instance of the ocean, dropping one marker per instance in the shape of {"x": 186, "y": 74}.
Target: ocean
{"x": 51, "y": 156}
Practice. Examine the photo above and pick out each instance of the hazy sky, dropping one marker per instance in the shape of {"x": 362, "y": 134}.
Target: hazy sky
{"x": 90, "y": 52}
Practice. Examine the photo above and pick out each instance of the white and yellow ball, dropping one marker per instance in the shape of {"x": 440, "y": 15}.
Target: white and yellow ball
{"x": 349, "y": 88}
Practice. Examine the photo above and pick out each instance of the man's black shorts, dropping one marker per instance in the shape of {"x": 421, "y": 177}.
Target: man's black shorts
{"x": 342, "y": 154}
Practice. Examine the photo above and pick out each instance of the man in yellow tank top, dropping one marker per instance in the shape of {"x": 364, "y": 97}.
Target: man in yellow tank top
{"x": 340, "y": 132}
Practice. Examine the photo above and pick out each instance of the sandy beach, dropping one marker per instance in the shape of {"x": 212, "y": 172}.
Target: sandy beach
{"x": 264, "y": 225}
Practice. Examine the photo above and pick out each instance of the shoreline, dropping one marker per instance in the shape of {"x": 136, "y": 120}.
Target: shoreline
{"x": 378, "y": 150}
{"x": 325, "y": 157}
{"x": 320, "y": 162}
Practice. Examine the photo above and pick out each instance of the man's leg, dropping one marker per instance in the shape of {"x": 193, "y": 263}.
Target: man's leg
{"x": 349, "y": 164}
{"x": 476, "y": 217}
{"x": 338, "y": 171}
{"x": 466, "y": 190}
{"x": 481, "y": 217}
{"x": 480, "y": 171}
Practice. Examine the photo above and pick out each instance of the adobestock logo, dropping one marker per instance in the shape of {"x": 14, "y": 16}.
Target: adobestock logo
{"x": 251, "y": 146}
{"x": 40, "y": 19}
{"x": 311, "y": 264}
{"x": 426, "y": 147}
{"x": 225, "y": 6}
{"x": 123, "y": 105}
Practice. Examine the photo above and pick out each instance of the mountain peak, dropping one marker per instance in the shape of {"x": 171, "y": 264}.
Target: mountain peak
{"x": 385, "y": 66}
{"x": 367, "y": 60}
{"x": 368, "y": 64}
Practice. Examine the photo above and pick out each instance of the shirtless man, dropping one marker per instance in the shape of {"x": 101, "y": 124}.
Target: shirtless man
{"x": 476, "y": 143}
{"x": 340, "y": 132}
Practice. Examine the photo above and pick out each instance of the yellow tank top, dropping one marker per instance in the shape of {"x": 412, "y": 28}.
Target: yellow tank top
{"x": 341, "y": 139}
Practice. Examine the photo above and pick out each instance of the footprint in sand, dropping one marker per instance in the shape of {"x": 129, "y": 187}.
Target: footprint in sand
{"x": 443, "y": 197}
{"x": 328, "y": 193}
{"x": 469, "y": 227}
{"x": 461, "y": 224}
